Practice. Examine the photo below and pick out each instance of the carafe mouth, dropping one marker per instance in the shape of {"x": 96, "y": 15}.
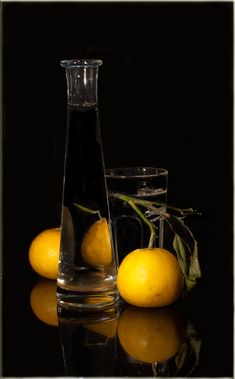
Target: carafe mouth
{"x": 82, "y": 78}
{"x": 81, "y": 63}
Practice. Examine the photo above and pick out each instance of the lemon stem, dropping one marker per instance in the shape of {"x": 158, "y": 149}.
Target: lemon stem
{"x": 131, "y": 201}
{"x": 87, "y": 210}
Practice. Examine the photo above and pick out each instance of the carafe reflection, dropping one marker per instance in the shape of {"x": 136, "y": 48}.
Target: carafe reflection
{"x": 89, "y": 343}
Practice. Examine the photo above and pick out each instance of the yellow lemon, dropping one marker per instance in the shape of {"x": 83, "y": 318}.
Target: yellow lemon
{"x": 151, "y": 335}
{"x": 44, "y": 253}
{"x": 107, "y": 327}
{"x": 96, "y": 245}
{"x": 150, "y": 277}
{"x": 43, "y": 301}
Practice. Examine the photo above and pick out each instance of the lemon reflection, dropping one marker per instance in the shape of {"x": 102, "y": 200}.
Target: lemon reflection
{"x": 151, "y": 335}
{"x": 43, "y": 301}
{"x": 106, "y": 328}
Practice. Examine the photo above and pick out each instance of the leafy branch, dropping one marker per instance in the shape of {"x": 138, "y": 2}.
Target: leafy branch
{"x": 184, "y": 243}
{"x": 87, "y": 210}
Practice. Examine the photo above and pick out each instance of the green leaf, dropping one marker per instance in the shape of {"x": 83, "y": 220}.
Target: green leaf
{"x": 181, "y": 356}
{"x": 195, "y": 344}
{"x": 186, "y": 249}
{"x": 181, "y": 254}
{"x": 194, "y": 268}
{"x": 190, "y": 283}
{"x": 190, "y": 348}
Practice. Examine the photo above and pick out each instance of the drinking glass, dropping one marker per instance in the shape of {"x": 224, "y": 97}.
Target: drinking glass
{"x": 130, "y": 232}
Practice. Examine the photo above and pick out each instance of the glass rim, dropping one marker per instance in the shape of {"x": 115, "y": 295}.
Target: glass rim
{"x": 81, "y": 62}
{"x": 124, "y": 172}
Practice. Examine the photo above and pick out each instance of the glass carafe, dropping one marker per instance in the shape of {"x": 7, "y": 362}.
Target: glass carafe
{"x": 87, "y": 264}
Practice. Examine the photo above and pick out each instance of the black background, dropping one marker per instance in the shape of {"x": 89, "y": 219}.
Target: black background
{"x": 165, "y": 100}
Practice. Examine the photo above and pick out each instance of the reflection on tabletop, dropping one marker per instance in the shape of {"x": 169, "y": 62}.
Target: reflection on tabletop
{"x": 137, "y": 341}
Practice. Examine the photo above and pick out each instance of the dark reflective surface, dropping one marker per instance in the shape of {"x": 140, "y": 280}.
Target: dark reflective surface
{"x": 125, "y": 341}
{"x": 130, "y": 341}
